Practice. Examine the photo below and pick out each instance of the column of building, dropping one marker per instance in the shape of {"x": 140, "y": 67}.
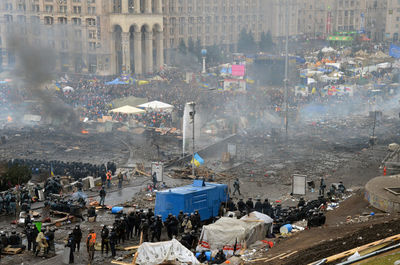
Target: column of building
{"x": 159, "y": 50}
{"x": 137, "y": 40}
{"x": 126, "y": 62}
{"x": 148, "y": 39}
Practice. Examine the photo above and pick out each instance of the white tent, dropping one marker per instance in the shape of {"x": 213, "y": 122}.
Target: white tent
{"x": 67, "y": 89}
{"x": 328, "y": 49}
{"x": 157, "y": 105}
{"x": 230, "y": 234}
{"x": 127, "y": 110}
{"x": 157, "y": 253}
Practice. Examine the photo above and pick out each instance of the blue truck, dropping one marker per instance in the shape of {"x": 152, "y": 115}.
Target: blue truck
{"x": 205, "y": 197}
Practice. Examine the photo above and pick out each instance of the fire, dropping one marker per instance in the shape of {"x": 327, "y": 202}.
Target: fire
{"x": 9, "y": 119}
{"x": 85, "y": 132}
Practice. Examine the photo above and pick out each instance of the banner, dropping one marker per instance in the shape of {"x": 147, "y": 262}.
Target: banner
{"x": 238, "y": 70}
{"x": 394, "y": 51}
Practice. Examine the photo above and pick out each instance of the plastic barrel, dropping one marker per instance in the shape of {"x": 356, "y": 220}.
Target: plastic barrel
{"x": 116, "y": 209}
{"x": 286, "y": 229}
{"x": 208, "y": 255}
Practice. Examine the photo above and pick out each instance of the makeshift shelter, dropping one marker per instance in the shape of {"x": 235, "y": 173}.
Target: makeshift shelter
{"x": 156, "y": 105}
{"x": 232, "y": 234}
{"x": 127, "y": 110}
{"x": 160, "y": 252}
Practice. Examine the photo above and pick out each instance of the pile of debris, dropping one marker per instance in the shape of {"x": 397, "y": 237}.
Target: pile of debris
{"x": 200, "y": 172}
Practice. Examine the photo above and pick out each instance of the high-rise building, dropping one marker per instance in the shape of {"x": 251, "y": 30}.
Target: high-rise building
{"x": 103, "y": 37}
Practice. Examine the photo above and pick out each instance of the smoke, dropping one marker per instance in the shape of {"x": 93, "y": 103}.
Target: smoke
{"x": 35, "y": 67}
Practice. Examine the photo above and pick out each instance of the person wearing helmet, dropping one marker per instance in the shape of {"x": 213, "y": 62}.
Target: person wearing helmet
{"x": 71, "y": 245}
{"x": 104, "y": 239}
{"x": 77, "y": 232}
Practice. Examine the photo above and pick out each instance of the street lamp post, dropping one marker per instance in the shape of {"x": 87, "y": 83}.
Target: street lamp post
{"x": 191, "y": 115}
{"x": 204, "y": 53}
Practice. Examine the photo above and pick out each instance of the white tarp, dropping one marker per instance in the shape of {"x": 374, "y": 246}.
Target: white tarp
{"x": 230, "y": 234}
{"x": 157, "y": 105}
{"x": 257, "y": 216}
{"x": 127, "y": 110}
{"x": 67, "y": 89}
{"x": 156, "y": 253}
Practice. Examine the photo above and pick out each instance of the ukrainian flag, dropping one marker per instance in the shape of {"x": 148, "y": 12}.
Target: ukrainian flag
{"x": 198, "y": 161}
{"x": 51, "y": 171}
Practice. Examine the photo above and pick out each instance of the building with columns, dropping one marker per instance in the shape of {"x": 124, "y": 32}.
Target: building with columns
{"x": 102, "y": 37}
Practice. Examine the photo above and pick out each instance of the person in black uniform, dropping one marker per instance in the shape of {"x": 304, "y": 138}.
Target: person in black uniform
{"x": 258, "y": 206}
{"x": 113, "y": 241}
{"x": 249, "y": 205}
{"x": 104, "y": 239}
{"x": 77, "y": 233}
{"x": 71, "y": 245}
{"x": 241, "y": 206}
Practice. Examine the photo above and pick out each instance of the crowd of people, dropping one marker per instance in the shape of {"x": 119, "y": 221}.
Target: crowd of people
{"x": 77, "y": 170}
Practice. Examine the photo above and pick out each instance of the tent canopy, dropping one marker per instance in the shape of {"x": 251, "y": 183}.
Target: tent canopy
{"x": 157, "y": 105}
{"x": 67, "y": 88}
{"x": 127, "y": 110}
{"x": 157, "y": 253}
{"x": 131, "y": 101}
{"x": 228, "y": 232}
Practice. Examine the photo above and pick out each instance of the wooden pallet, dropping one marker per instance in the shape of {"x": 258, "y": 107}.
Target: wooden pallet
{"x": 11, "y": 251}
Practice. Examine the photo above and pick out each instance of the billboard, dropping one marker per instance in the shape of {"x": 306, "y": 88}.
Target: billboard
{"x": 238, "y": 70}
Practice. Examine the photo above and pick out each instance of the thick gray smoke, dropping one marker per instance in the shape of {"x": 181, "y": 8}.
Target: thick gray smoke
{"x": 35, "y": 67}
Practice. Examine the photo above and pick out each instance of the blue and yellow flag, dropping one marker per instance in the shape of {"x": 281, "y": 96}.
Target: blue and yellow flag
{"x": 198, "y": 161}
{"x": 51, "y": 170}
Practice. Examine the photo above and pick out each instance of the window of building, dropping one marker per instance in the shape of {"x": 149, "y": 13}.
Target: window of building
{"x": 117, "y": 6}
{"x": 77, "y": 9}
{"x": 91, "y": 10}
{"x": 49, "y": 8}
{"x": 92, "y": 34}
{"x": 63, "y": 9}
{"x": 76, "y": 21}
{"x": 21, "y": 7}
{"x": 9, "y": 7}
{"x": 35, "y": 8}
{"x": 62, "y": 20}
{"x": 48, "y": 20}
{"x": 171, "y": 43}
{"x": 76, "y": 1}
{"x": 91, "y": 22}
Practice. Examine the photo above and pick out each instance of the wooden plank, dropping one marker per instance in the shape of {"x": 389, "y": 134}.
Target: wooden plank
{"x": 119, "y": 262}
{"x": 137, "y": 252}
{"x": 143, "y": 173}
{"x": 268, "y": 259}
{"x": 361, "y": 248}
{"x": 132, "y": 247}
{"x": 288, "y": 255}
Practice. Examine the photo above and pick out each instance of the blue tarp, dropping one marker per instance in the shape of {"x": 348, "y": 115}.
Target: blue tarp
{"x": 394, "y": 51}
{"x": 121, "y": 81}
